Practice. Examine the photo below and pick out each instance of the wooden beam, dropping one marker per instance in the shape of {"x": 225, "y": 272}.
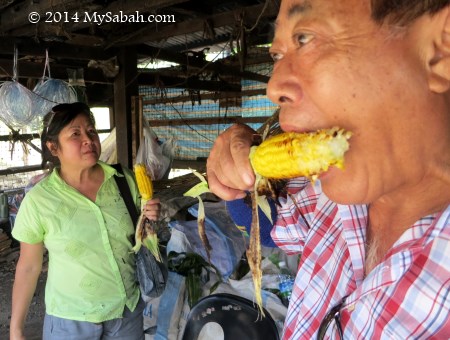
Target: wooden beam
{"x": 19, "y": 137}
{"x": 206, "y": 96}
{"x": 152, "y": 79}
{"x": 199, "y": 165}
{"x": 207, "y": 121}
{"x": 250, "y": 14}
{"x": 136, "y": 109}
{"x": 34, "y": 70}
{"x": 125, "y": 87}
{"x": 21, "y": 169}
{"x": 29, "y": 46}
{"x": 196, "y": 63}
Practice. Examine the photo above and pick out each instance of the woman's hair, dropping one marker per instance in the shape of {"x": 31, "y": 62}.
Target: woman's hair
{"x": 403, "y": 12}
{"x": 57, "y": 119}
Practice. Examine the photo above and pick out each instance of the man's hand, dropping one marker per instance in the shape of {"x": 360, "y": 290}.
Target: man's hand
{"x": 228, "y": 166}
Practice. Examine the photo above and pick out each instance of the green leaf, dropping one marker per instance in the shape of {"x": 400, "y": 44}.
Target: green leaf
{"x": 199, "y": 188}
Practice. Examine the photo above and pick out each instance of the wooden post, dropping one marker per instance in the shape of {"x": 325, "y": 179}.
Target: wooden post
{"x": 125, "y": 87}
{"x": 137, "y": 129}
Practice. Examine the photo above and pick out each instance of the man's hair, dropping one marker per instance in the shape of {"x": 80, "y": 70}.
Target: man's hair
{"x": 403, "y": 12}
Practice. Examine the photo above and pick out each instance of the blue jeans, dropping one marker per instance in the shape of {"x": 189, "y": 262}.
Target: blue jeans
{"x": 129, "y": 327}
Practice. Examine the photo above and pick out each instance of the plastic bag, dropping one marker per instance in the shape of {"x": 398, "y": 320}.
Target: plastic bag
{"x": 109, "y": 150}
{"x": 151, "y": 274}
{"x": 15, "y": 100}
{"x": 227, "y": 242}
{"x": 15, "y": 104}
{"x": 156, "y": 156}
{"x": 51, "y": 92}
{"x": 54, "y": 91}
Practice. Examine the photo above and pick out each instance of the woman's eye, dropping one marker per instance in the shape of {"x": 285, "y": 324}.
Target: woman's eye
{"x": 302, "y": 39}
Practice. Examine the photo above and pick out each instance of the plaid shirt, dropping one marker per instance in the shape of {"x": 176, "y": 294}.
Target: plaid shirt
{"x": 407, "y": 296}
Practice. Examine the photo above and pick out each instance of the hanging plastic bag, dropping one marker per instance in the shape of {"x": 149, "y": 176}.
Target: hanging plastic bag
{"x": 51, "y": 92}
{"x": 16, "y": 101}
{"x": 156, "y": 156}
{"x": 109, "y": 150}
{"x": 15, "y": 104}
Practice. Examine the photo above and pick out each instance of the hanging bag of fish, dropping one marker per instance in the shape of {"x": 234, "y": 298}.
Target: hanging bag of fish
{"x": 15, "y": 101}
{"x": 51, "y": 92}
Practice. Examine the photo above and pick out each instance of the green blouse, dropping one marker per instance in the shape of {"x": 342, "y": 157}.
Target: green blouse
{"x": 91, "y": 272}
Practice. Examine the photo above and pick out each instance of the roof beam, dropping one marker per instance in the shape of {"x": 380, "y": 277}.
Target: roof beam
{"x": 251, "y": 15}
{"x": 34, "y": 70}
{"x": 189, "y": 61}
{"x": 28, "y": 46}
{"x": 150, "y": 79}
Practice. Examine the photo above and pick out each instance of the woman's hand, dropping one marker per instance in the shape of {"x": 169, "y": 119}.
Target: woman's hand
{"x": 152, "y": 209}
{"x": 228, "y": 167}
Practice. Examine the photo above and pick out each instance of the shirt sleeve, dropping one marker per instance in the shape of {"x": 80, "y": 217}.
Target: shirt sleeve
{"x": 27, "y": 227}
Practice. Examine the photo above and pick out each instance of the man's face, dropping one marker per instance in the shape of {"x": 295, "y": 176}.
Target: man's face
{"x": 334, "y": 66}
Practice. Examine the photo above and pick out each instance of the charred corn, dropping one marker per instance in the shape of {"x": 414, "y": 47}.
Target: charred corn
{"x": 145, "y": 229}
{"x": 292, "y": 154}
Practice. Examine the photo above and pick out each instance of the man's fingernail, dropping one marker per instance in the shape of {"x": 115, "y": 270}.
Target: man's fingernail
{"x": 247, "y": 179}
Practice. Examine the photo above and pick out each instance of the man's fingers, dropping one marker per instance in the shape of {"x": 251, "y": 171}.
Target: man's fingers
{"x": 228, "y": 166}
{"x": 240, "y": 143}
{"x": 223, "y": 191}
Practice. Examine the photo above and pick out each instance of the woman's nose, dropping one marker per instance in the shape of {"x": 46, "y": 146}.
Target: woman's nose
{"x": 284, "y": 86}
{"x": 87, "y": 138}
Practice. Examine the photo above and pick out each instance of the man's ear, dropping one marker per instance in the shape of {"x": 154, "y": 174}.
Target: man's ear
{"x": 439, "y": 64}
{"x": 52, "y": 147}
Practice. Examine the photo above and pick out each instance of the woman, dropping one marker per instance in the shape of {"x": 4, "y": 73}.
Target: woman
{"x": 77, "y": 213}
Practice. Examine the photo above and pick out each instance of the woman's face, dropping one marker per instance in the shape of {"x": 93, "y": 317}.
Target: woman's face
{"x": 78, "y": 144}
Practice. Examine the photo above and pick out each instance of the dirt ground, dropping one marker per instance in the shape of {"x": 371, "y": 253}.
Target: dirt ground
{"x": 33, "y": 326}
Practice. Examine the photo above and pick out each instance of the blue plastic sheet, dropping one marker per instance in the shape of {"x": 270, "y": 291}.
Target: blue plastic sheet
{"x": 227, "y": 241}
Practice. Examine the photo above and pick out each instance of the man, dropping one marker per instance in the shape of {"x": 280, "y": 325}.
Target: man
{"x": 374, "y": 237}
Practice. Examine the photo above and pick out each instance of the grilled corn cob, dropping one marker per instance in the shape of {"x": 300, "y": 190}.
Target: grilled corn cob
{"x": 285, "y": 156}
{"x": 145, "y": 229}
{"x": 291, "y": 154}
{"x": 144, "y": 182}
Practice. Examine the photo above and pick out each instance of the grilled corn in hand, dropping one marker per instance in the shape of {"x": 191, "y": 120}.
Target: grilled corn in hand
{"x": 145, "y": 229}
{"x": 283, "y": 156}
{"x": 292, "y": 154}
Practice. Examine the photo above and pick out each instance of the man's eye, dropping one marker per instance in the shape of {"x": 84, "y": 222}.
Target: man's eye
{"x": 302, "y": 39}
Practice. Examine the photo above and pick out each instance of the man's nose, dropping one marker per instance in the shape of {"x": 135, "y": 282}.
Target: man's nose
{"x": 284, "y": 86}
